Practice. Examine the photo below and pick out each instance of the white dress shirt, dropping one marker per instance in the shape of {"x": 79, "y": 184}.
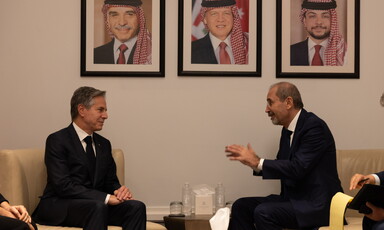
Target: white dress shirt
{"x": 311, "y": 49}
{"x": 216, "y": 47}
{"x": 116, "y": 47}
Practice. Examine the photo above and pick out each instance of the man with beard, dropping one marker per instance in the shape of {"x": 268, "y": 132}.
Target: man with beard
{"x": 324, "y": 45}
{"x": 305, "y": 165}
{"x": 131, "y": 41}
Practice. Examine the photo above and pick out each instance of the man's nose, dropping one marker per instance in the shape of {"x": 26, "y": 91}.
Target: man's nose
{"x": 105, "y": 115}
{"x": 122, "y": 21}
{"x": 220, "y": 17}
{"x": 267, "y": 109}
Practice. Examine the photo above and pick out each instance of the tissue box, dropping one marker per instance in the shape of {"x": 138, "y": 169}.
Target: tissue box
{"x": 203, "y": 204}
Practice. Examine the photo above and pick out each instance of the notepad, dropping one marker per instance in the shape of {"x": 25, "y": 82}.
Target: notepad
{"x": 371, "y": 193}
{"x": 338, "y": 206}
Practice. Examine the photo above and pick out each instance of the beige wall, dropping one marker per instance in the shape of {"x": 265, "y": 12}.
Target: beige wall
{"x": 174, "y": 129}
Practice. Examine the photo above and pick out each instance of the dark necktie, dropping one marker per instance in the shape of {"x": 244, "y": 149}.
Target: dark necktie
{"x": 285, "y": 144}
{"x": 224, "y": 57}
{"x": 121, "y": 59}
{"x": 90, "y": 155}
{"x": 316, "y": 61}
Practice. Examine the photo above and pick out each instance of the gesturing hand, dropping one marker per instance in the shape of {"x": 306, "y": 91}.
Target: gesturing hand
{"x": 245, "y": 155}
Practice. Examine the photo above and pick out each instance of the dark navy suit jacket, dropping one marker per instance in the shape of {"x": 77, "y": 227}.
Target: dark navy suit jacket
{"x": 202, "y": 51}
{"x": 309, "y": 178}
{"x": 104, "y": 54}
{"x": 69, "y": 175}
{"x": 299, "y": 53}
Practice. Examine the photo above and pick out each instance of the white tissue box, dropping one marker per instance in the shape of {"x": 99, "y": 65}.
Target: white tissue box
{"x": 203, "y": 204}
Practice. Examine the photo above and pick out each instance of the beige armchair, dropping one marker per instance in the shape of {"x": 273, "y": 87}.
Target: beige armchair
{"x": 23, "y": 177}
{"x": 349, "y": 162}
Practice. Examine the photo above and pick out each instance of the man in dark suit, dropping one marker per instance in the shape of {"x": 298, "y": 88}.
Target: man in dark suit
{"x": 324, "y": 45}
{"x": 82, "y": 187}
{"x": 14, "y": 217}
{"x": 375, "y": 219}
{"x": 225, "y": 42}
{"x": 131, "y": 41}
{"x": 305, "y": 165}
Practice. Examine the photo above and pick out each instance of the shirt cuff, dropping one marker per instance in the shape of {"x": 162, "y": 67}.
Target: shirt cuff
{"x": 377, "y": 179}
{"x": 107, "y": 198}
{"x": 259, "y": 166}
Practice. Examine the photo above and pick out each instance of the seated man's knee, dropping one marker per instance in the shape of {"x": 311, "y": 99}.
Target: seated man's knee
{"x": 240, "y": 204}
{"x": 262, "y": 211}
{"x": 98, "y": 206}
{"x": 138, "y": 205}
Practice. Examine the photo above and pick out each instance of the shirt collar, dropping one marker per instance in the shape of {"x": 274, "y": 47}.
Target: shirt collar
{"x": 80, "y": 133}
{"x": 292, "y": 125}
{"x": 130, "y": 43}
{"x": 311, "y": 43}
{"x": 216, "y": 42}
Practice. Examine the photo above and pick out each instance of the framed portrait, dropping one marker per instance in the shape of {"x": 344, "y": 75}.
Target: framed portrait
{"x": 228, "y": 46}
{"x": 122, "y": 40}
{"x": 318, "y": 39}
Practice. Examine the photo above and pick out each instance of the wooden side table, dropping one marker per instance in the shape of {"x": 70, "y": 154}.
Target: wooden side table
{"x": 193, "y": 222}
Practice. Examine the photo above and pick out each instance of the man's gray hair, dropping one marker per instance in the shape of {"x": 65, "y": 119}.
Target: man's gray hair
{"x": 84, "y": 96}
{"x": 287, "y": 89}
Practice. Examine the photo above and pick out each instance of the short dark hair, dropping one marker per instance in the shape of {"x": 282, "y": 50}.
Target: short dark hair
{"x": 84, "y": 96}
{"x": 287, "y": 89}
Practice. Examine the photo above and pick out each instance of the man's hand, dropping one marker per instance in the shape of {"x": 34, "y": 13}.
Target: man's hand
{"x": 21, "y": 213}
{"x": 114, "y": 201}
{"x": 123, "y": 194}
{"x": 4, "y": 212}
{"x": 358, "y": 180}
{"x": 377, "y": 213}
{"x": 245, "y": 155}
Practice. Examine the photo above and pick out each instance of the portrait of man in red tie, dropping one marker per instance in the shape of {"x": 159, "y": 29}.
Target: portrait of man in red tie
{"x": 130, "y": 41}
{"x": 324, "y": 44}
{"x": 217, "y": 33}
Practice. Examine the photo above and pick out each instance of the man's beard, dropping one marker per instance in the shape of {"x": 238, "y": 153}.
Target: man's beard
{"x": 274, "y": 120}
{"x": 319, "y": 37}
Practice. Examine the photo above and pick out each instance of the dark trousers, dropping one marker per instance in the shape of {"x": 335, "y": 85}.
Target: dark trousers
{"x": 95, "y": 215}
{"x": 369, "y": 224}
{"x": 269, "y": 213}
{"x": 7, "y": 223}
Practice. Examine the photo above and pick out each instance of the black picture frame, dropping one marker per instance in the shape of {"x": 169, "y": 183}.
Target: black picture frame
{"x": 92, "y": 24}
{"x": 285, "y": 27}
{"x": 186, "y": 68}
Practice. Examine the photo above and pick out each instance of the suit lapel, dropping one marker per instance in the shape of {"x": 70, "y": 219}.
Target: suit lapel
{"x": 99, "y": 156}
{"x": 130, "y": 58}
{"x": 210, "y": 52}
{"x": 299, "y": 126}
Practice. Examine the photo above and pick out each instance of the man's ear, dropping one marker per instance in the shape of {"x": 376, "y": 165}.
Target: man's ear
{"x": 81, "y": 109}
{"x": 289, "y": 102}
